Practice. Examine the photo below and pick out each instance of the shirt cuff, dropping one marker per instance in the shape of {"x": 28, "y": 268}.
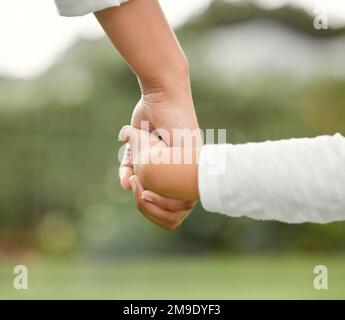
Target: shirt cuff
{"x": 211, "y": 169}
{"x": 72, "y": 8}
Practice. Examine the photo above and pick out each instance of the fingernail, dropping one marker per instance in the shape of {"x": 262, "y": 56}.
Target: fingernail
{"x": 147, "y": 198}
{"x": 133, "y": 184}
{"x": 121, "y": 138}
{"x": 125, "y": 184}
{"x": 190, "y": 204}
{"x": 122, "y": 175}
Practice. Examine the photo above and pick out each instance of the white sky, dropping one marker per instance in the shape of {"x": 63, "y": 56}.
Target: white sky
{"x": 32, "y": 35}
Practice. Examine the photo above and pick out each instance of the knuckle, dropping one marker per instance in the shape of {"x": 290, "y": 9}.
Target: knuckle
{"x": 170, "y": 227}
{"x": 189, "y": 205}
{"x": 172, "y": 221}
{"x": 139, "y": 204}
{"x": 175, "y": 226}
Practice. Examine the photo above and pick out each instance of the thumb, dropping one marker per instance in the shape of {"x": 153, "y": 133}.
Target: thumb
{"x": 136, "y": 139}
{"x": 130, "y": 135}
{"x": 126, "y": 168}
{"x": 135, "y": 136}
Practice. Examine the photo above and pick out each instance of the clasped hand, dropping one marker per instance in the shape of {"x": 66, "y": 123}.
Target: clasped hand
{"x": 167, "y": 111}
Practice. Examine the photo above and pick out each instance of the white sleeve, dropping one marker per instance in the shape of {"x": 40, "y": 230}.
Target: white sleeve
{"x": 294, "y": 181}
{"x": 70, "y": 8}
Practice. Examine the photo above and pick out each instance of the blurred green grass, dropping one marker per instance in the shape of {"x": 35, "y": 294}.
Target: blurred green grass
{"x": 179, "y": 277}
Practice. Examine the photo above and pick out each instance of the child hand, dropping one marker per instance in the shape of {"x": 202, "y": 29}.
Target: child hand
{"x": 145, "y": 147}
{"x": 161, "y": 210}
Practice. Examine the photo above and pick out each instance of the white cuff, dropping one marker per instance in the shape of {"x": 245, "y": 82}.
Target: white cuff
{"x": 71, "y": 8}
{"x": 212, "y": 168}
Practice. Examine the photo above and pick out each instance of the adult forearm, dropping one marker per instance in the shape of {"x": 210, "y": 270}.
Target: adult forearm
{"x": 140, "y": 32}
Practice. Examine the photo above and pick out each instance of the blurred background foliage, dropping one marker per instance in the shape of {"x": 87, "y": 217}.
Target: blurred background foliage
{"x": 59, "y": 192}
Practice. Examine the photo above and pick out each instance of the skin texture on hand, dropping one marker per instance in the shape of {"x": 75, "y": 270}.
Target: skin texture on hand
{"x": 153, "y": 164}
{"x": 140, "y": 32}
{"x": 165, "y": 212}
{"x": 162, "y": 110}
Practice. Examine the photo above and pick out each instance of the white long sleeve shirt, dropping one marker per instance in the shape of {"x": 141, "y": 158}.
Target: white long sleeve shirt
{"x": 294, "y": 181}
{"x": 70, "y": 8}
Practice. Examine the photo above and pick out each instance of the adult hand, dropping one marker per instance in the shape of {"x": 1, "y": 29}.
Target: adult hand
{"x": 141, "y": 33}
{"x": 164, "y": 109}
